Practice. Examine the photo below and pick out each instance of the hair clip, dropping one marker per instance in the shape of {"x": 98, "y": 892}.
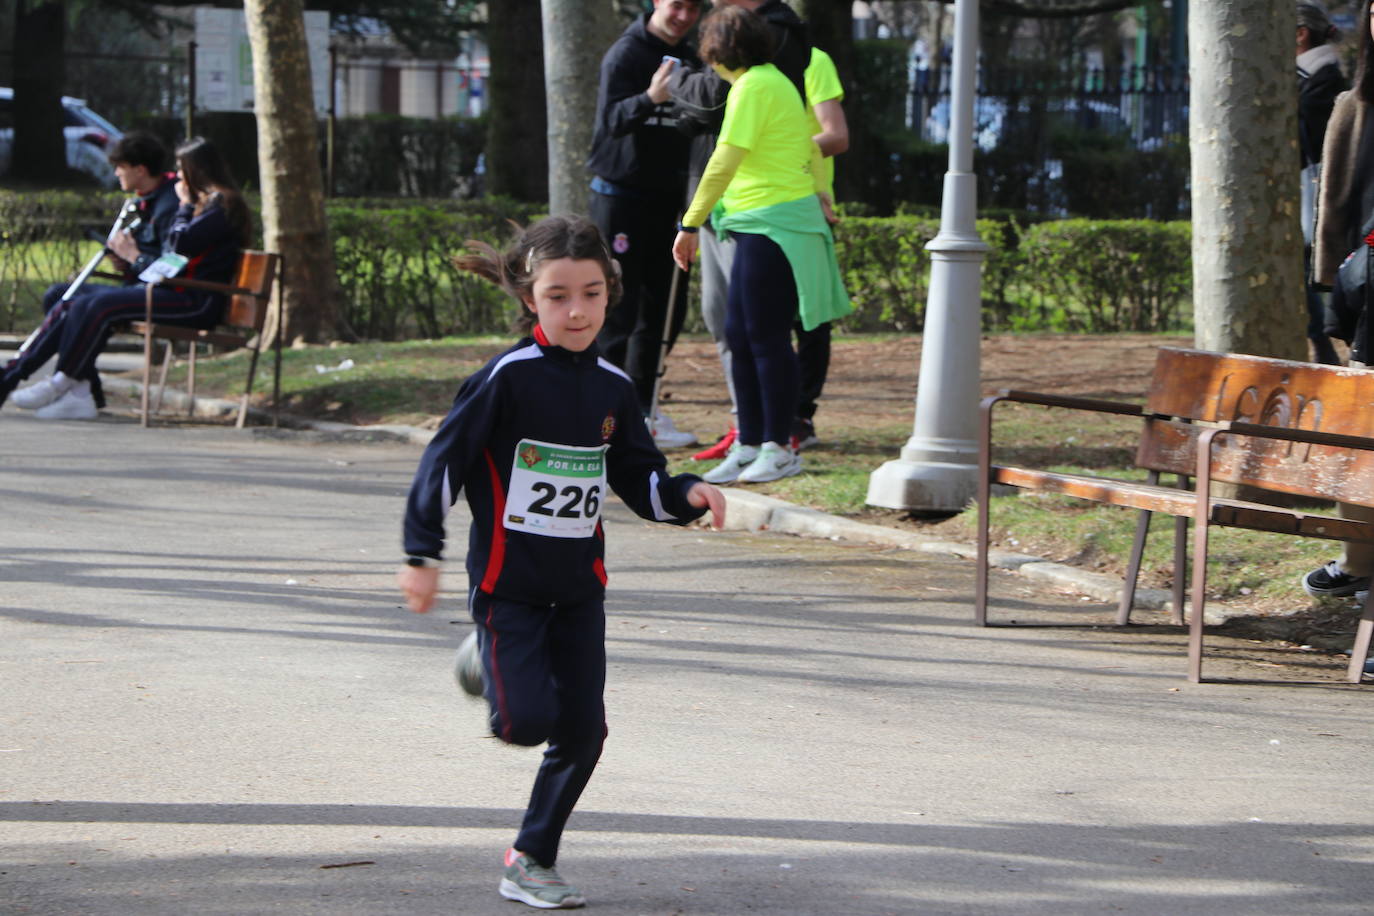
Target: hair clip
{"x": 529, "y": 261}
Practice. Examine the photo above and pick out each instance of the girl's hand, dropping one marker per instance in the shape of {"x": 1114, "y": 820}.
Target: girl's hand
{"x": 703, "y": 495}
{"x": 828, "y": 208}
{"x": 684, "y": 249}
{"x": 184, "y": 193}
{"x": 420, "y": 584}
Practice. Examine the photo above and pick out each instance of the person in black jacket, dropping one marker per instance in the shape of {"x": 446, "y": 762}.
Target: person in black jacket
{"x": 139, "y": 161}
{"x": 209, "y": 231}
{"x": 533, "y": 439}
{"x": 1319, "y": 82}
{"x": 639, "y": 163}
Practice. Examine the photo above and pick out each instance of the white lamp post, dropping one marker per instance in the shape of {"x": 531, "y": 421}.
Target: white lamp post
{"x": 939, "y": 463}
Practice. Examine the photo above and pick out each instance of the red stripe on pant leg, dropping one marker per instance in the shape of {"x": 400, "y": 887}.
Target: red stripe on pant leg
{"x": 497, "y": 682}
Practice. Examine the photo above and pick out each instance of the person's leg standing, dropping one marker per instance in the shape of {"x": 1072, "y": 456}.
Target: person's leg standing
{"x": 748, "y": 391}
{"x": 1323, "y": 350}
{"x": 615, "y": 217}
{"x": 717, "y": 255}
{"x": 655, "y": 225}
{"x": 768, "y": 294}
{"x": 813, "y": 360}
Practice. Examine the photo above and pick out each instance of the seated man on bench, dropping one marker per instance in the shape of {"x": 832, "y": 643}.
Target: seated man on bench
{"x": 140, "y": 161}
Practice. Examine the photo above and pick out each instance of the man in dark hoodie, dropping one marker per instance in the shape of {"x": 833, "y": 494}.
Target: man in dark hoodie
{"x": 639, "y": 164}
{"x": 700, "y": 95}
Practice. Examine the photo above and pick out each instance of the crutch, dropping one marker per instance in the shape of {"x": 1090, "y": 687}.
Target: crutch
{"x": 128, "y": 219}
{"x": 666, "y": 340}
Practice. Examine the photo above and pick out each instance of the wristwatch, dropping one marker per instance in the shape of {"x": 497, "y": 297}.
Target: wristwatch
{"x": 428, "y": 562}
{"x": 682, "y": 228}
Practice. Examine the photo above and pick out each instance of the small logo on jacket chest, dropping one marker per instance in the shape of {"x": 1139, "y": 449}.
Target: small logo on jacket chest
{"x": 608, "y": 427}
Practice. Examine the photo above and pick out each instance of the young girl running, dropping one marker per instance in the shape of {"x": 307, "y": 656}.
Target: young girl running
{"x": 533, "y": 439}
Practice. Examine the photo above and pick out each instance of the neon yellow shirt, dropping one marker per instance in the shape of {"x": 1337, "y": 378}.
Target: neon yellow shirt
{"x": 822, "y": 85}
{"x": 765, "y": 116}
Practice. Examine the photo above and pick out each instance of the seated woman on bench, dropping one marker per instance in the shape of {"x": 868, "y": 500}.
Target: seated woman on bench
{"x": 210, "y": 230}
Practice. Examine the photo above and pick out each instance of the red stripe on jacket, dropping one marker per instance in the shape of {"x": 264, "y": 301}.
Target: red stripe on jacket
{"x": 496, "y": 558}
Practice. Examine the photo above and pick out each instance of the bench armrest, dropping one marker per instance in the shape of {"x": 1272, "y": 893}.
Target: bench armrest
{"x": 1065, "y": 401}
{"x": 224, "y": 288}
{"x": 1096, "y": 405}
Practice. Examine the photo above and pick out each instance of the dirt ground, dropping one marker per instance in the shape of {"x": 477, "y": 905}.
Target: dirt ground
{"x": 873, "y": 382}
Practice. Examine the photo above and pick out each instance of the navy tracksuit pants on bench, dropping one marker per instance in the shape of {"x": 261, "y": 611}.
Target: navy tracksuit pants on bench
{"x": 77, "y": 330}
{"x": 545, "y": 677}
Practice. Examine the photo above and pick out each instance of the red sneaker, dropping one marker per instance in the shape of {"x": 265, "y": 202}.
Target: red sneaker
{"x": 717, "y": 451}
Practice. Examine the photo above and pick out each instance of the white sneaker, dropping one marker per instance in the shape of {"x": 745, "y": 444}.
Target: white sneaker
{"x": 737, "y": 459}
{"x": 467, "y": 667}
{"x": 39, "y": 394}
{"x": 74, "y": 405}
{"x": 773, "y": 463}
{"x": 666, "y": 435}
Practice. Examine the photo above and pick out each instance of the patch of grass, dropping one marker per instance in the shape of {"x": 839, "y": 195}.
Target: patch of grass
{"x": 408, "y": 383}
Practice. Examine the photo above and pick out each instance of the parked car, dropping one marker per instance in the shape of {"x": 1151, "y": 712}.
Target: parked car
{"x": 89, "y": 137}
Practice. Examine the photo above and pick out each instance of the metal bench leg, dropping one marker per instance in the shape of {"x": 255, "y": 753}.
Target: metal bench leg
{"x": 147, "y": 370}
{"x": 1199, "y": 601}
{"x": 248, "y": 386}
{"x": 1142, "y": 531}
{"x": 984, "y": 496}
{"x": 191, "y": 383}
{"x": 1180, "y": 567}
{"x": 980, "y": 585}
{"x": 167, "y": 355}
{"x": 1360, "y": 651}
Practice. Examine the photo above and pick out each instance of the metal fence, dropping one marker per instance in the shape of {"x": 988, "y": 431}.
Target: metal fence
{"x": 1147, "y": 105}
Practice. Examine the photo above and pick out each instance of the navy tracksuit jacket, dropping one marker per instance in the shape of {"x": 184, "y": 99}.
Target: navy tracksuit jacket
{"x": 539, "y": 393}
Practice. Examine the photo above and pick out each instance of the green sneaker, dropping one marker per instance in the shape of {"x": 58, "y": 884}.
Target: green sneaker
{"x": 529, "y": 882}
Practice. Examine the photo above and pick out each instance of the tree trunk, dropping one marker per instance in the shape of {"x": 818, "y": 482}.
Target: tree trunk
{"x": 1247, "y": 243}
{"x": 576, "y": 35}
{"x": 831, "y": 25}
{"x": 517, "y": 153}
{"x": 39, "y": 153}
{"x": 289, "y": 169}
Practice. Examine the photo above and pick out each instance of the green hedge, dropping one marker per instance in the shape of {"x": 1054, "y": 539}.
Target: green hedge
{"x": 1115, "y": 275}
{"x": 395, "y": 271}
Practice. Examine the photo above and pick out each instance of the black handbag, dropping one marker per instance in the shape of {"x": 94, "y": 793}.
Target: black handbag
{"x": 1351, "y": 292}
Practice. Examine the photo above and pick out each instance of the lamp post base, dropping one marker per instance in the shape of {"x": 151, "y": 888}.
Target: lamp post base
{"x": 924, "y": 488}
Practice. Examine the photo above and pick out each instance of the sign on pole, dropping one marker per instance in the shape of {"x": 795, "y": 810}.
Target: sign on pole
{"x": 224, "y": 60}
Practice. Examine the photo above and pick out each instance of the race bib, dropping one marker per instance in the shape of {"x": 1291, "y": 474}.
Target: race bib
{"x": 556, "y": 490}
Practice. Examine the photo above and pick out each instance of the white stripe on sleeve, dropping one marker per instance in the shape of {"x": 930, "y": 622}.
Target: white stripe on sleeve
{"x": 656, "y": 501}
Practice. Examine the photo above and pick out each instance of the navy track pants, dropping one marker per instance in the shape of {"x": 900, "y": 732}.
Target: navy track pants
{"x": 545, "y": 678}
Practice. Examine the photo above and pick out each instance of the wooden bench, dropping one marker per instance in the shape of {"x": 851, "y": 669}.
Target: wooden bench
{"x": 1292, "y": 428}
{"x": 245, "y": 315}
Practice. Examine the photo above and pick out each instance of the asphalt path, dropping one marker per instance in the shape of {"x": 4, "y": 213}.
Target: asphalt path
{"x": 214, "y": 703}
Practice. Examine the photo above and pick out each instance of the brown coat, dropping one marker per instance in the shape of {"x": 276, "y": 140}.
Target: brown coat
{"x": 1338, "y": 216}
